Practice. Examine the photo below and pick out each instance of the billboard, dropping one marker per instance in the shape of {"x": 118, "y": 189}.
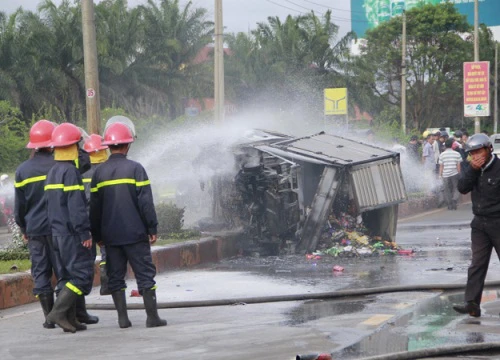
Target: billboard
{"x": 367, "y": 14}
{"x": 477, "y": 88}
{"x": 336, "y": 101}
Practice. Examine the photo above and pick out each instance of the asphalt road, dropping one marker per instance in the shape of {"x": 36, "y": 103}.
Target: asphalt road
{"x": 5, "y": 237}
{"x": 350, "y": 328}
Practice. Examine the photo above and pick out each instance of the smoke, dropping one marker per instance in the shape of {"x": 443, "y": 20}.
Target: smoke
{"x": 182, "y": 163}
{"x": 417, "y": 179}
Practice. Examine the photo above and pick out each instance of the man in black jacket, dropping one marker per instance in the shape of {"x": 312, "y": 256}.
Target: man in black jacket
{"x": 482, "y": 179}
{"x": 123, "y": 219}
{"x": 30, "y": 213}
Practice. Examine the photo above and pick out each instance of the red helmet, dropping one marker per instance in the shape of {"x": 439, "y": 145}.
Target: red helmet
{"x": 41, "y": 134}
{"x": 118, "y": 133}
{"x": 94, "y": 143}
{"x": 65, "y": 134}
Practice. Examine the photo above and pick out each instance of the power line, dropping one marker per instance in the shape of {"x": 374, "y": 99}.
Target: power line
{"x": 340, "y": 18}
{"x": 283, "y": 6}
{"x": 332, "y": 8}
{"x": 335, "y": 18}
{"x": 303, "y": 7}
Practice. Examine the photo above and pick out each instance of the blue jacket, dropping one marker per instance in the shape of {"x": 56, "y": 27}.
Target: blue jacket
{"x": 87, "y": 178}
{"x": 30, "y": 208}
{"x": 66, "y": 203}
{"x": 121, "y": 203}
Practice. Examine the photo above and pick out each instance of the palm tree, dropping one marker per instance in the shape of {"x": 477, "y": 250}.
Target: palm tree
{"x": 60, "y": 49}
{"x": 290, "y": 62}
{"x": 119, "y": 33}
{"x": 282, "y": 42}
{"x": 172, "y": 39}
{"x": 320, "y": 36}
{"x": 8, "y": 88}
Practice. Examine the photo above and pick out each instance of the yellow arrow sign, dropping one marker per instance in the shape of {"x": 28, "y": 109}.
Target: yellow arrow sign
{"x": 336, "y": 101}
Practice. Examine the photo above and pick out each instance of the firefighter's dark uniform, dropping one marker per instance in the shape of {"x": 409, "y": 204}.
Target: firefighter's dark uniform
{"x": 484, "y": 185}
{"x": 31, "y": 216}
{"x": 123, "y": 216}
{"x": 83, "y": 162}
{"x": 68, "y": 217}
{"x": 86, "y": 179}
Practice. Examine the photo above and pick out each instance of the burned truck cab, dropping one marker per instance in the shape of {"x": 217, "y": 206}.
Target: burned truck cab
{"x": 289, "y": 189}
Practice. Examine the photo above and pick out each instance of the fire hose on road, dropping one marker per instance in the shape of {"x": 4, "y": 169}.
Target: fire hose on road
{"x": 439, "y": 351}
{"x": 405, "y": 355}
{"x": 419, "y": 354}
{"x": 296, "y": 297}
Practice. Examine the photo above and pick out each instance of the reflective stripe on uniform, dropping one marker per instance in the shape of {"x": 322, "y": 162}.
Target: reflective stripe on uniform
{"x": 30, "y": 180}
{"x": 74, "y": 288}
{"x": 64, "y": 188}
{"x": 120, "y": 182}
{"x": 87, "y": 180}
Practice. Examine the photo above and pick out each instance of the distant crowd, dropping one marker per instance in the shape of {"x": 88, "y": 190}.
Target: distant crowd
{"x": 441, "y": 157}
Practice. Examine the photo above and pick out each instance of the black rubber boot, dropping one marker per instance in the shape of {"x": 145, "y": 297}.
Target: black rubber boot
{"x": 104, "y": 280}
{"x": 121, "y": 307}
{"x": 470, "y": 307}
{"x": 47, "y": 303}
{"x": 72, "y": 317}
{"x": 81, "y": 312}
{"x": 153, "y": 320}
{"x": 59, "y": 313}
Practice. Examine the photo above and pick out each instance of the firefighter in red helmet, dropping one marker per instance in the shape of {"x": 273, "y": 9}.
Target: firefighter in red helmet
{"x": 30, "y": 213}
{"x": 69, "y": 222}
{"x": 123, "y": 218}
{"x": 98, "y": 154}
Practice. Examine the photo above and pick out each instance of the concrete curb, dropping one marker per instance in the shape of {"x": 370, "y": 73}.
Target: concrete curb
{"x": 422, "y": 205}
{"x": 17, "y": 289}
{"x": 412, "y": 228}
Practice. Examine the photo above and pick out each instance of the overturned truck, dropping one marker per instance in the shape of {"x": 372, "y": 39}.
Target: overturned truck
{"x": 288, "y": 189}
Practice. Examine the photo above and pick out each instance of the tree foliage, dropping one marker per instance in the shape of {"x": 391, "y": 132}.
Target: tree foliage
{"x": 145, "y": 57}
{"x": 150, "y": 64}
{"x": 438, "y": 43}
{"x": 287, "y": 63}
{"x": 13, "y": 137}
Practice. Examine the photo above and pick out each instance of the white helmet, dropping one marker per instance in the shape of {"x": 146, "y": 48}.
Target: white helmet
{"x": 121, "y": 119}
{"x": 4, "y": 177}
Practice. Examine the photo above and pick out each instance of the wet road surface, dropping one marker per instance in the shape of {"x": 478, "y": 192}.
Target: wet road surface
{"x": 350, "y": 328}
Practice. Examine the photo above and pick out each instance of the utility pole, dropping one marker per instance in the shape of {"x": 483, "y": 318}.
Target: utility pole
{"x": 219, "y": 99}
{"x": 91, "y": 68}
{"x": 495, "y": 107}
{"x": 403, "y": 77}
{"x": 219, "y": 64}
{"x": 477, "y": 120}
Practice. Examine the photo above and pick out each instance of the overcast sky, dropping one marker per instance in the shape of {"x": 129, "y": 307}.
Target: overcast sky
{"x": 239, "y": 15}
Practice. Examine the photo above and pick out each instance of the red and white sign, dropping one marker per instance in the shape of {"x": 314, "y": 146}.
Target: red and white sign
{"x": 90, "y": 93}
{"x": 477, "y": 88}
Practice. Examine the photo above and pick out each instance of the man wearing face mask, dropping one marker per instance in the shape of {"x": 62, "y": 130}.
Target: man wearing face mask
{"x": 482, "y": 179}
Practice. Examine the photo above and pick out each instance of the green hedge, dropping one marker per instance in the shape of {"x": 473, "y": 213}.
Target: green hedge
{"x": 170, "y": 218}
{"x": 14, "y": 254}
